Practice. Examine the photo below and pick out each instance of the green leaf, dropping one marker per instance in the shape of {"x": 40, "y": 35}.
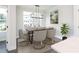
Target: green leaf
{"x": 64, "y": 29}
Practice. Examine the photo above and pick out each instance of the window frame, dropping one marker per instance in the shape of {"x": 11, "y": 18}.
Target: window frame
{"x": 32, "y": 21}
{"x": 4, "y": 21}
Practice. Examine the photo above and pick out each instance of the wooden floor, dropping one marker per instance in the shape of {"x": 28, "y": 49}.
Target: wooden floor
{"x": 3, "y": 47}
{"x": 30, "y": 49}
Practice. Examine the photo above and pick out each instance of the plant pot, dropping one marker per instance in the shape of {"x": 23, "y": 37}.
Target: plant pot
{"x": 64, "y": 37}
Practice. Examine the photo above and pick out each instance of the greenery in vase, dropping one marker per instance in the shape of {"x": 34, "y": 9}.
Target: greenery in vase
{"x": 64, "y": 29}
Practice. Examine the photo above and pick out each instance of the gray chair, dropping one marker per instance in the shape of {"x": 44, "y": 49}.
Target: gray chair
{"x": 38, "y": 38}
{"x": 50, "y": 33}
{"x": 23, "y": 37}
{"x": 50, "y": 36}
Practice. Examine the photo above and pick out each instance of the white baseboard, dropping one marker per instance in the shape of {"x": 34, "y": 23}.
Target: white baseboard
{"x": 60, "y": 37}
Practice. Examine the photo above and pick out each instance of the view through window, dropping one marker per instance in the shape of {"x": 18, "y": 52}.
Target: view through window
{"x": 30, "y": 19}
{"x": 3, "y": 18}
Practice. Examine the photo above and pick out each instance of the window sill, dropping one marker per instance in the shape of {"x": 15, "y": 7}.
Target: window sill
{"x": 2, "y": 31}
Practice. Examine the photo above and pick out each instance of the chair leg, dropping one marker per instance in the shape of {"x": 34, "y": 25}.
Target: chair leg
{"x": 41, "y": 42}
{"x": 38, "y": 45}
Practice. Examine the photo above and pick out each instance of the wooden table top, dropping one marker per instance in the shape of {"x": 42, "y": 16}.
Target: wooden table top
{"x": 38, "y": 29}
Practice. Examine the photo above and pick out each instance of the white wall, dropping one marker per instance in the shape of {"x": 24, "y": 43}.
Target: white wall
{"x": 76, "y": 20}
{"x": 20, "y": 17}
{"x": 11, "y": 30}
{"x": 65, "y": 16}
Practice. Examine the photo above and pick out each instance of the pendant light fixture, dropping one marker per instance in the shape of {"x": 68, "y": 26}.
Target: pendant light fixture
{"x": 36, "y": 16}
{"x": 36, "y": 13}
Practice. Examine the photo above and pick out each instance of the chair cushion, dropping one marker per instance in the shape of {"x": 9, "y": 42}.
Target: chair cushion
{"x": 39, "y": 35}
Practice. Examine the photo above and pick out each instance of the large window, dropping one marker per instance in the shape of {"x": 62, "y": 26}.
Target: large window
{"x": 3, "y": 17}
{"x": 30, "y": 19}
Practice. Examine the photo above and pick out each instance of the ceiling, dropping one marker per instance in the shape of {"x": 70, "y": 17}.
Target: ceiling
{"x": 42, "y": 7}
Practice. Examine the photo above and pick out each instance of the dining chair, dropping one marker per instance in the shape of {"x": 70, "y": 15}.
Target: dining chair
{"x": 50, "y": 33}
{"x": 23, "y": 37}
{"x": 50, "y": 36}
{"x": 38, "y": 38}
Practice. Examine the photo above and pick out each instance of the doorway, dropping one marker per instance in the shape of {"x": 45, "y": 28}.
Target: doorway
{"x": 3, "y": 32}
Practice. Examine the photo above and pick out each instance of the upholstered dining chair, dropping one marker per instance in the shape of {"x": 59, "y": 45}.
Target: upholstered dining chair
{"x": 50, "y": 36}
{"x": 38, "y": 38}
{"x": 23, "y": 37}
{"x": 50, "y": 33}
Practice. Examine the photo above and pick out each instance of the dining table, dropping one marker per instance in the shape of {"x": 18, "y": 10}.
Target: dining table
{"x": 32, "y": 29}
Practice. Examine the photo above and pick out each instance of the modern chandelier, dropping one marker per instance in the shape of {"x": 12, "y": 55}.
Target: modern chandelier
{"x": 36, "y": 13}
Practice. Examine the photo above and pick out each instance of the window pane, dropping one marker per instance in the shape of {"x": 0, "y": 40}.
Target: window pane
{"x": 3, "y": 17}
{"x": 31, "y": 19}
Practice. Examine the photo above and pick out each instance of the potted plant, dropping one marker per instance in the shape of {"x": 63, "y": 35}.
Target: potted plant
{"x": 64, "y": 31}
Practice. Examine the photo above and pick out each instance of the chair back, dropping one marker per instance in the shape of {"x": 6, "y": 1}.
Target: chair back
{"x": 50, "y": 33}
{"x": 39, "y": 35}
{"x": 20, "y": 34}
